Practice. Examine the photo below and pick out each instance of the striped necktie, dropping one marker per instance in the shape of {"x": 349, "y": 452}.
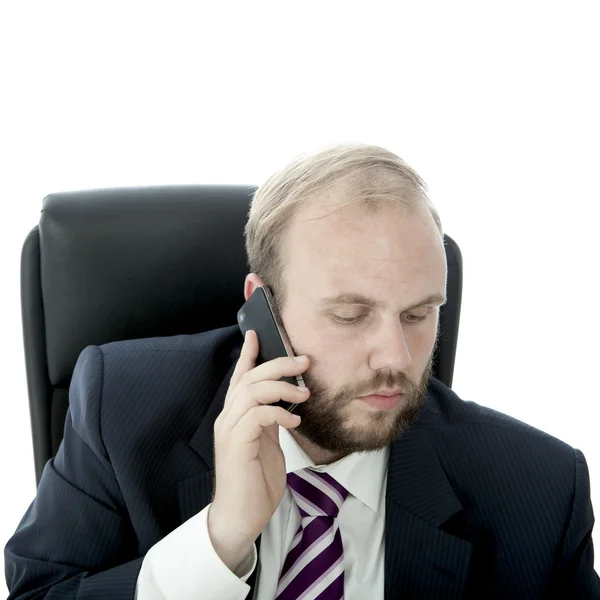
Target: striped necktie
{"x": 314, "y": 566}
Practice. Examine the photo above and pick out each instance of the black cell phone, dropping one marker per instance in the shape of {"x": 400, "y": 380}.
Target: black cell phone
{"x": 258, "y": 314}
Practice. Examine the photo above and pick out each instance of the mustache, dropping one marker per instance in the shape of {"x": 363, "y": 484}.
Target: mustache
{"x": 349, "y": 392}
{"x": 382, "y": 382}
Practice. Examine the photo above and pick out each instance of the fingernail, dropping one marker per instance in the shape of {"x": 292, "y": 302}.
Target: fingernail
{"x": 301, "y": 358}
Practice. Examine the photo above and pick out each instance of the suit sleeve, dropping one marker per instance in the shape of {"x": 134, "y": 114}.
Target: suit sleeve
{"x": 575, "y": 575}
{"x": 76, "y": 539}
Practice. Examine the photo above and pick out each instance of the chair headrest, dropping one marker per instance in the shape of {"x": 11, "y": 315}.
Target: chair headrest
{"x": 140, "y": 262}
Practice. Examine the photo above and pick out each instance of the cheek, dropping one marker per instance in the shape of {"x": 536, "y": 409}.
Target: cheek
{"x": 340, "y": 362}
{"x": 342, "y": 346}
{"x": 421, "y": 343}
{"x": 335, "y": 358}
{"x": 311, "y": 335}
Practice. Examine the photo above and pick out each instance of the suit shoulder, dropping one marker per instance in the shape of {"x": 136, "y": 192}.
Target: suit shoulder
{"x": 498, "y": 464}
{"x": 210, "y": 343}
{"x": 158, "y": 375}
{"x": 159, "y": 388}
{"x": 448, "y": 410}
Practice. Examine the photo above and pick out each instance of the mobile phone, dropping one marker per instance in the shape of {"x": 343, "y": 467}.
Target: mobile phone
{"x": 258, "y": 313}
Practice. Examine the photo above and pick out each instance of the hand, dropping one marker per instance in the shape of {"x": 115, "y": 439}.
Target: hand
{"x": 249, "y": 463}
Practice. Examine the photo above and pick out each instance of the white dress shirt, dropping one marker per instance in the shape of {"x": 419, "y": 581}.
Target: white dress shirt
{"x": 185, "y": 566}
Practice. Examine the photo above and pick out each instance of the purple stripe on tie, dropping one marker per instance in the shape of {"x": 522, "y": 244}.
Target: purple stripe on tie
{"x": 317, "y": 559}
{"x": 312, "y": 532}
{"x": 337, "y": 492}
{"x": 309, "y": 555}
{"x": 342, "y": 491}
{"x": 321, "y": 485}
{"x": 313, "y": 571}
{"x": 297, "y": 538}
{"x": 306, "y": 507}
{"x": 313, "y": 495}
{"x": 334, "y": 589}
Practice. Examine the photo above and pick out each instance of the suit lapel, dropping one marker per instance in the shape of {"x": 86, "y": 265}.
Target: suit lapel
{"x": 421, "y": 560}
{"x": 196, "y": 493}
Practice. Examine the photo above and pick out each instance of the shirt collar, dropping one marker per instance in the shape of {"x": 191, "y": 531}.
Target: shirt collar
{"x": 361, "y": 473}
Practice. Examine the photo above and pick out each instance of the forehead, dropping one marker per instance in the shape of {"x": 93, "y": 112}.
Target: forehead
{"x": 347, "y": 232}
{"x": 354, "y": 248}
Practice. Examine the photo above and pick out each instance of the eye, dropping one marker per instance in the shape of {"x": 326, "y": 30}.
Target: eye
{"x": 413, "y": 319}
{"x": 347, "y": 320}
{"x": 410, "y": 319}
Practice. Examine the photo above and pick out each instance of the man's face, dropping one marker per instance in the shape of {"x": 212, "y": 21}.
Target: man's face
{"x": 394, "y": 260}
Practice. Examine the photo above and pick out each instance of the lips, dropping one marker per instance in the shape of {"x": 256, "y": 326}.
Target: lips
{"x": 383, "y": 402}
{"x": 385, "y": 393}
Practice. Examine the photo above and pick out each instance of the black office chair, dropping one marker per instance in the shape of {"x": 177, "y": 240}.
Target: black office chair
{"x": 120, "y": 264}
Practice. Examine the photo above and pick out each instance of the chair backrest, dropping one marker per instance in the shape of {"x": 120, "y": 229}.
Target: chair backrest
{"x": 116, "y": 264}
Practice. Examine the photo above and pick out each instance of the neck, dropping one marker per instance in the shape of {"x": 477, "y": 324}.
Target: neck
{"x": 317, "y": 454}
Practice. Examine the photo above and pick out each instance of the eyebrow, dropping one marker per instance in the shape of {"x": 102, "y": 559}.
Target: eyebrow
{"x": 349, "y": 298}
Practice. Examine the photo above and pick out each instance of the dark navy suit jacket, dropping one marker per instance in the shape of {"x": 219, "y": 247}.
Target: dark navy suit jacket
{"x": 478, "y": 505}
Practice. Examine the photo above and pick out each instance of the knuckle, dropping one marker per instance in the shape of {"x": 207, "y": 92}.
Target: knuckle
{"x": 243, "y": 380}
{"x": 250, "y": 417}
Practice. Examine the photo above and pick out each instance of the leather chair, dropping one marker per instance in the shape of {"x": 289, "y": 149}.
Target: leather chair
{"x": 116, "y": 264}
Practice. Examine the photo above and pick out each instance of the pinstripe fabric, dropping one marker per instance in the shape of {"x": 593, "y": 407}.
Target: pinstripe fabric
{"x": 478, "y": 505}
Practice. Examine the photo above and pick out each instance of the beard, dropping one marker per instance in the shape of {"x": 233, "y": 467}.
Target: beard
{"x": 327, "y": 422}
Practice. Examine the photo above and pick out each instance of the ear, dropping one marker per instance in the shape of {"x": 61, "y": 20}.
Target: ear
{"x": 251, "y": 283}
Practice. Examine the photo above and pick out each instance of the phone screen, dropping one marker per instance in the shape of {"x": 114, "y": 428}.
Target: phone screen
{"x": 258, "y": 313}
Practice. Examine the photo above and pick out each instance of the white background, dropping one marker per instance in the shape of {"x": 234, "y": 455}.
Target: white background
{"x": 495, "y": 104}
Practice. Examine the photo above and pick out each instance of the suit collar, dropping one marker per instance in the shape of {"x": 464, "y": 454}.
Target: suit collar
{"x": 195, "y": 492}
{"x": 202, "y": 440}
{"x": 416, "y": 479}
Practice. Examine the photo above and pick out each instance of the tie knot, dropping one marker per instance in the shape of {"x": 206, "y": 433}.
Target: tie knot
{"x": 316, "y": 494}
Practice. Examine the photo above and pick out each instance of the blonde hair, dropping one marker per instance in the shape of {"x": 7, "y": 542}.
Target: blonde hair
{"x": 367, "y": 175}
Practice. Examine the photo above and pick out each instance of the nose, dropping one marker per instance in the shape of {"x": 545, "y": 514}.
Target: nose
{"x": 389, "y": 348}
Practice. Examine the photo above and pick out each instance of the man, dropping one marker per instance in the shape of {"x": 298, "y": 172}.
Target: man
{"x": 179, "y": 477}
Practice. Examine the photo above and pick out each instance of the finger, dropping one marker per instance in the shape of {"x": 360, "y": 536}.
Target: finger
{"x": 262, "y": 393}
{"x": 247, "y": 359}
{"x": 253, "y": 423}
{"x": 275, "y": 369}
